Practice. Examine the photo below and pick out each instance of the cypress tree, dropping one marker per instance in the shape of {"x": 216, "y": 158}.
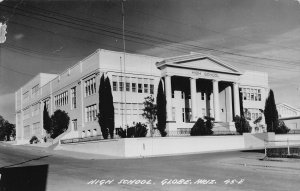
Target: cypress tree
{"x": 271, "y": 113}
{"x": 47, "y": 120}
{"x": 102, "y": 108}
{"x": 110, "y": 112}
{"x": 241, "y": 104}
{"x": 161, "y": 110}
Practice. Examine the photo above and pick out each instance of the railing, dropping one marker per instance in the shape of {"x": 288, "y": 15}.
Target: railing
{"x": 294, "y": 131}
{"x": 282, "y": 149}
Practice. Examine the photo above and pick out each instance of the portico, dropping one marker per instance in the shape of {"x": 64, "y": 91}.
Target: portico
{"x": 196, "y": 86}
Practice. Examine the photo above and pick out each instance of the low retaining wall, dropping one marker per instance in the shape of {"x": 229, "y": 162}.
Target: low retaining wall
{"x": 142, "y": 147}
{"x": 158, "y": 146}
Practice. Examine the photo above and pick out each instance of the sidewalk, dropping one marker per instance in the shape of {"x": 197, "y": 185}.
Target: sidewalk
{"x": 281, "y": 164}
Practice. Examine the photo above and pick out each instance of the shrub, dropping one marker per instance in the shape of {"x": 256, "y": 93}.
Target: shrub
{"x": 202, "y": 127}
{"x": 122, "y": 133}
{"x": 241, "y": 125}
{"x": 281, "y": 128}
{"x": 138, "y": 130}
{"x": 197, "y": 127}
{"x": 60, "y": 122}
{"x": 34, "y": 140}
{"x": 209, "y": 124}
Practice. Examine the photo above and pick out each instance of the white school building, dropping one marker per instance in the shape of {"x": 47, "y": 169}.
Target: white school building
{"x": 196, "y": 85}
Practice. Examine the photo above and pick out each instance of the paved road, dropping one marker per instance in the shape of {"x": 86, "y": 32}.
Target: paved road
{"x": 66, "y": 173}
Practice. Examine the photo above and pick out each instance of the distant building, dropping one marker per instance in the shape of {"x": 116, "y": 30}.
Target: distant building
{"x": 196, "y": 85}
{"x": 290, "y": 115}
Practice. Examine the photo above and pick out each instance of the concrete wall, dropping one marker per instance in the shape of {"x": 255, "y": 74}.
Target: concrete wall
{"x": 140, "y": 147}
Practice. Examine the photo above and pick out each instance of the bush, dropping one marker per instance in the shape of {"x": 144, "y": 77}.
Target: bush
{"x": 241, "y": 125}
{"x": 281, "y": 128}
{"x": 60, "y": 122}
{"x": 138, "y": 130}
{"x": 34, "y": 140}
{"x": 202, "y": 128}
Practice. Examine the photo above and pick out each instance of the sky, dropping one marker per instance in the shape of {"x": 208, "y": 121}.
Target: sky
{"x": 51, "y": 35}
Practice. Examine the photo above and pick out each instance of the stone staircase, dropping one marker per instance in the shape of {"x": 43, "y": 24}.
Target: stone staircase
{"x": 220, "y": 127}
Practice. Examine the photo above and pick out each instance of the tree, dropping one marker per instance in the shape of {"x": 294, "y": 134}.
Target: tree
{"x": 7, "y": 130}
{"x": 161, "y": 110}
{"x": 47, "y": 123}
{"x": 241, "y": 104}
{"x": 102, "y": 107}
{"x": 149, "y": 112}
{"x": 271, "y": 113}
{"x": 106, "y": 116}
{"x": 60, "y": 123}
{"x": 110, "y": 111}
{"x": 241, "y": 124}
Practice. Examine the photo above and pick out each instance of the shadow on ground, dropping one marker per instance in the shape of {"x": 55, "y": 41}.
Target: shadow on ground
{"x": 33, "y": 178}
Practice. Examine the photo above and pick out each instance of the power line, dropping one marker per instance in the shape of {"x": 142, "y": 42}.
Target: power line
{"x": 188, "y": 47}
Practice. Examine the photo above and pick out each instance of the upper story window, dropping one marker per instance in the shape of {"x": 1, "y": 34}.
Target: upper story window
{"x": 26, "y": 113}
{"x": 251, "y": 94}
{"x": 91, "y": 113}
{"x": 73, "y": 98}
{"x": 26, "y": 96}
{"x": 35, "y": 90}
{"x": 61, "y": 99}
{"x": 35, "y": 109}
{"x": 90, "y": 86}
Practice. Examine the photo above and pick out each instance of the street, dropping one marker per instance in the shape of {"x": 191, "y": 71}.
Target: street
{"x": 211, "y": 171}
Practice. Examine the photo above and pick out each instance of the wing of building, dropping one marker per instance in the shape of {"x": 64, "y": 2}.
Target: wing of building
{"x": 196, "y": 85}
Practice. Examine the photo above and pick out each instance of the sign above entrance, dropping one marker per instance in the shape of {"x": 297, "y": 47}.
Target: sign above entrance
{"x": 205, "y": 74}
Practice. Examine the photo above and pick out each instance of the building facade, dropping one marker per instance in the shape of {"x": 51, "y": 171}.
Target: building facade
{"x": 195, "y": 85}
{"x": 290, "y": 116}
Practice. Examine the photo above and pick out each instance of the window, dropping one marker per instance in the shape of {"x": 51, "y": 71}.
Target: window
{"x": 90, "y": 86}
{"x": 35, "y": 109}
{"x": 116, "y": 108}
{"x": 46, "y": 102}
{"x": 36, "y": 128}
{"x": 115, "y": 86}
{"x": 26, "y": 114}
{"x": 140, "y": 88}
{"x": 35, "y": 90}
{"x": 26, "y": 96}
{"x": 74, "y": 124}
{"x": 127, "y": 86}
{"x": 73, "y": 97}
{"x": 145, "y": 88}
{"x": 202, "y": 95}
{"x": 173, "y": 113}
{"x": 151, "y": 89}
{"x": 133, "y": 86}
{"x": 251, "y": 94}
{"x": 121, "y": 86}
{"x": 91, "y": 113}
{"x": 141, "y": 107}
{"x": 61, "y": 99}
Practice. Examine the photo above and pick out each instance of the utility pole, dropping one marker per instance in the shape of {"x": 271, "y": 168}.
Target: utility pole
{"x": 123, "y": 68}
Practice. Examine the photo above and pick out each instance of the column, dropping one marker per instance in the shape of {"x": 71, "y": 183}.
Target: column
{"x": 168, "y": 87}
{"x": 236, "y": 101}
{"x": 229, "y": 104}
{"x": 193, "y": 99}
{"x": 216, "y": 100}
